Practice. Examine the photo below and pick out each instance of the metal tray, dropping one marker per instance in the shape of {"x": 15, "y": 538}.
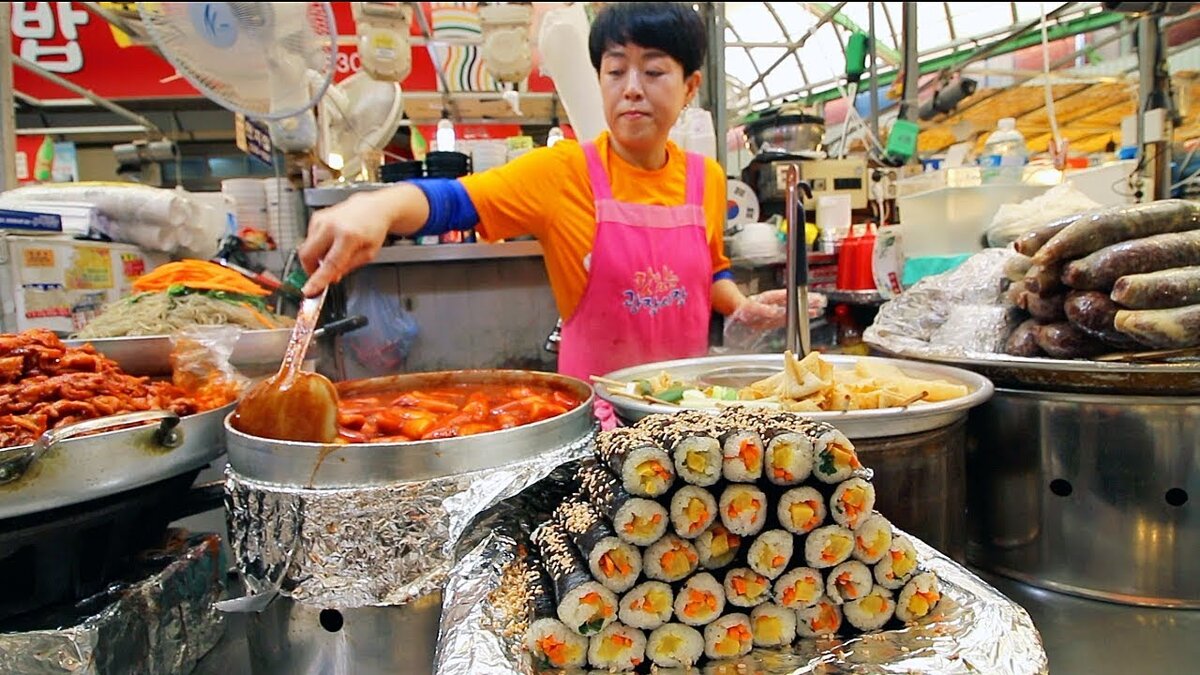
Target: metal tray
{"x": 856, "y": 424}
{"x": 67, "y": 467}
{"x": 150, "y": 355}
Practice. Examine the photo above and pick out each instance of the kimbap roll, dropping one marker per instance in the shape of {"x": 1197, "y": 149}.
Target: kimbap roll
{"x": 773, "y": 626}
{"x": 639, "y": 521}
{"x": 821, "y": 620}
{"x": 852, "y": 502}
{"x": 670, "y": 559}
{"x": 834, "y": 458}
{"x": 849, "y": 581}
{"x": 698, "y": 460}
{"x": 799, "y": 588}
{"x": 770, "y": 553}
{"x": 789, "y": 458}
{"x": 700, "y": 600}
{"x": 872, "y": 539}
{"x": 746, "y": 588}
{"x": 828, "y": 546}
{"x": 647, "y": 605}
{"x": 918, "y": 597}
{"x": 644, "y": 468}
{"x": 743, "y": 509}
{"x": 742, "y": 456}
{"x": 801, "y": 510}
{"x": 554, "y": 646}
{"x": 674, "y": 645}
{"x": 717, "y": 547}
{"x": 728, "y": 637}
{"x": 616, "y": 648}
{"x": 898, "y": 566}
{"x": 583, "y": 604}
{"x": 871, "y": 611}
{"x": 693, "y": 509}
{"x": 614, "y": 563}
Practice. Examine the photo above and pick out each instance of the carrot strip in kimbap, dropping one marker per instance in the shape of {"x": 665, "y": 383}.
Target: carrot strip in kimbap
{"x": 770, "y": 553}
{"x": 670, "y": 559}
{"x": 849, "y": 581}
{"x": 828, "y": 546}
{"x": 717, "y": 547}
{"x": 614, "y": 563}
{"x": 801, "y": 510}
{"x": 822, "y": 619}
{"x": 693, "y": 509}
{"x": 549, "y": 641}
{"x": 617, "y": 648}
{"x": 898, "y": 565}
{"x": 742, "y": 456}
{"x": 636, "y": 520}
{"x": 773, "y": 626}
{"x": 728, "y": 637}
{"x": 918, "y": 597}
{"x": 799, "y": 588}
{"x": 645, "y": 468}
{"x": 700, "y": 600}
{"x": 675, "y": 645}
{"x": 743, "y": 509}
{"x": 698, "y": 460}
{"x": 584, "y": 605}
{"x": 746, "y": 588}
{"x": 789, "y": 458}
{"x": 647, "y": 605}
{"x": 852, "y": 502}
{"x": 872, "y": 539}
{"x": 871, "y": 611}
{"x": 834, "y": 458}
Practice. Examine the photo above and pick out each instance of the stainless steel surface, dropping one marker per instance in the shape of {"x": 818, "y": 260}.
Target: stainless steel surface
{"x": 856, "y": 424}
{"x": 289, "y": 638}
{"x": 798, "y": 340}
{"x": 81, "y": 469}
{"x": 302, "y": 335}
{"x": 256, "y": 351}
{"x": 328, "y": 196}
{"x": 554, "y": 339}
{"x": 448, "y": 252}
{"x": 786, "y": 132}
{"x": 1086, "y": 494}
{"x": 855, "y": 297}
{"x": 365, "y": 464}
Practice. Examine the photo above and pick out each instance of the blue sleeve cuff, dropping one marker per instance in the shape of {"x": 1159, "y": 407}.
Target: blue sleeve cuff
{"x": 450, "y": 207}
{"x": 723, "y": 274}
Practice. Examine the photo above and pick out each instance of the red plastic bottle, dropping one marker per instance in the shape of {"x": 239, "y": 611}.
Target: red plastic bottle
{"x": 864, "y": 255}
{"x": 847, "y": 260}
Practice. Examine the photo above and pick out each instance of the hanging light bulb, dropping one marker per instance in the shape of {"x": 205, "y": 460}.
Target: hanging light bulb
{"x": 556, "y": 133}
{"x": 445, "y": 133}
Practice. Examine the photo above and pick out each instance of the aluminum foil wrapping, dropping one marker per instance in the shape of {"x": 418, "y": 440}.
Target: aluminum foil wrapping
{"x": 163, "y": 624}
{"x": 958, "y": 313}
{"x": 372, "y": 546}
{"x": 974, "y": 630}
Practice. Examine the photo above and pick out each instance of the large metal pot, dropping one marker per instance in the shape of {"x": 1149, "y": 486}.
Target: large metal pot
{"x": 1088, "y": 494}
{"x": 786, "y": 130}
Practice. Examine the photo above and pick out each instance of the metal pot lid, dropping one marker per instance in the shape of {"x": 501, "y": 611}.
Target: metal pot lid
{"x": 856, "y": 424}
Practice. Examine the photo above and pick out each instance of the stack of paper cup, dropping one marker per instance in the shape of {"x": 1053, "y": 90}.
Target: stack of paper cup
{"x": 250, "y": 202}
{"x": 283, "y": 213}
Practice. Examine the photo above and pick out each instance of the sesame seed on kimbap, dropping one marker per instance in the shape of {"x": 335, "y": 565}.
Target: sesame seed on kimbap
{"x": 742, "y": 456}
{"x": 852, "y": 502}
{"x": 675, "y": 645}
{"x": 849, "y": 581}
{"x": 834, "y": 459}
{"x": 871, "y": 611}
{"x": 799, "y": 588}
{"x": 636, "y": 520}
{"x": 617, "y": 648}
{"x": 918, "y": 597}
{"x": 789, "y": 458}
{"x": 898, "y": 565}
{"x": 554, "y": 646}
{"x": 645, "y": 469}
{"x": 822, "y": 619}
{"x": 700, "y": 600}
{"x": 728, "y": 637}
{"x": 693, "y": 509}
{"x": 770, "y": 553}
{"x": 698, "y": 460}
{"x": 772, "y": 625}
{"x": 743, "y": 509}
{"x": 647, "y": 605}
{"x": 746, "y": 588}
{"x": 828, "y": 546}
{"x": 670, "y": 559}
{"x": 717, "y": 547}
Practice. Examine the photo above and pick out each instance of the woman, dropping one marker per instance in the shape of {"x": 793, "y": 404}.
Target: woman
{"x": 630, "y": 225}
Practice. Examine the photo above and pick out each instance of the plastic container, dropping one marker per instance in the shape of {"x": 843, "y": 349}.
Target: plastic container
{"x": 864, "y": 261}
{"x": 848, "y": 260}
{"x": 1004, "y": 154}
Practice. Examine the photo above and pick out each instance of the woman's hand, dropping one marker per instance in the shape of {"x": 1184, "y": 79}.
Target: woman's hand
{"x": 762, "y": 312}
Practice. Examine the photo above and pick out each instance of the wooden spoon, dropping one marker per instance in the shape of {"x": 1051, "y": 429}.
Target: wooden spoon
{"x": 292, "y": 405}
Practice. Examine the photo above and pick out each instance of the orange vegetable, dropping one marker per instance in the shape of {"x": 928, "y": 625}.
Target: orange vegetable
{"x": 198, "y": 275}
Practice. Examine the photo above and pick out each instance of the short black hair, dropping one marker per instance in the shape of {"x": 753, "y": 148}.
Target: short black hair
{"x": 672, "y": 27}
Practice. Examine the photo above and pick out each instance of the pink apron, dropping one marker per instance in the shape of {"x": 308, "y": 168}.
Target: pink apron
{"x": 648, "y": 291}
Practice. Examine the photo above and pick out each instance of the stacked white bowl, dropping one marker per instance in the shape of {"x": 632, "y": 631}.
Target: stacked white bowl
{"x": 283, "y": 213}
{"x": 250, "y": 202}
{"x": 486, "y": 154}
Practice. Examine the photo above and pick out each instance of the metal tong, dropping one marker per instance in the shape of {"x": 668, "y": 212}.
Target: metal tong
{"x": 799, "y": 337}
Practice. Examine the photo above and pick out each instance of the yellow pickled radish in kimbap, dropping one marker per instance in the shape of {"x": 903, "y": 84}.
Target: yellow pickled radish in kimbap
{"x": 742, "y": 456}
{"x": 834, "y": 459}
{"x": 700, "y": 600}
{"x": 746, "y": 588}
{"x": 717, "y": 547}
{"x": 636, "y": 520}
{"x": 872, "y": 539}
{"x": 698, "y": 460}
{"x": 871, "y": 611}
{"x": 789, "y": 458}
{"x": 801, "y": 510}
{"x": 670, "y": 559}
{"x": 918, "y": 597}
{"x": 849, "y": 581}
{"x": 898, "y": 565}
{"x": 618, "y": 647}
{"x": 770, "y": 553}
{"x": 645, "y": 469}
{"x": 828, "y": 546}
{"x": 693, "y": 509}
{"x": 772, "y": 625}
{"x": 674, "y": 645}
{"x": 852, "y": 501}
{"x": 553, "y": 645}
{"x": 799, "y": 588}
{"x": 728, "y": 637}
{"x": 820, "y": 620}
{"x": 584, "y": 605}
{"x": 647, "y": 605}
{"x": 743, "y": 509}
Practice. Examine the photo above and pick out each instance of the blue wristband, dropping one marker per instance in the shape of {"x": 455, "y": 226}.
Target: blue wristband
{"x": 450, "y": 207}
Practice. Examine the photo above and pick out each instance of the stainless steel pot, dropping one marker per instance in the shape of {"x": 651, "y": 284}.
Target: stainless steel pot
{"x": 1088, "y": 494}
{"x": 786, "y": 131}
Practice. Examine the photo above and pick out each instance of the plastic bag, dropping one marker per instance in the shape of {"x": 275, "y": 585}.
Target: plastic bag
{"x": 762, "y": 327}
{"x": 201, "y": 365}
{"x": 386, "y": 341}
{"x": 1013, "y": 220}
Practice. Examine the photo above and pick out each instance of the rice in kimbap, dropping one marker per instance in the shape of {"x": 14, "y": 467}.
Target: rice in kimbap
{"x": 647, "y": 605}
{"x": 898, "y": 566}
{"x": 554, "y": 646}
{"x": 584, "y": 605}
{"x": 799, "y": 588}
{"x": 834, "y": 458}
{"x": 918, "y": 597}
{"x": 828, "y": 546}
{"x": 852, "y": 502}
{"x": 617, "y": 647}
{"x": 746, "y": 588}
{"x": 639, "y": 521}
{"x": 872, "y": 539}
{"x": 717, "y": 547}
{"x": 693, "y": 509}
{"x": 698, "y": 460}
{"x": 743, "y": 509}
{"x": 674, "y": 645}
{"x": 742, "y": 456}
{"x": 772, "y": 625}
{"x": 849, "y": 581}
{"x": 728, "y": 637}
{"x": 700, "y": 600}
{"x": 614, "y": 563}
{"x": 801, "y": 510}
{"x": 645, "y": 468}
{"x": 789, "y": 458}
{"x": 770, "y": 553}
{"x": 871, "y": 611}
{"x": 820, "y": 620}
{"x": 670, "y": 559}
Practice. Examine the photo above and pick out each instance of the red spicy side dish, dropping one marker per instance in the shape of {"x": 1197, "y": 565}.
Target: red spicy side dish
{"x": 447, "y": 411}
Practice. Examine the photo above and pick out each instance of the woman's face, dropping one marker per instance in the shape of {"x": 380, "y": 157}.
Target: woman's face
{"x": 644, "y": 91}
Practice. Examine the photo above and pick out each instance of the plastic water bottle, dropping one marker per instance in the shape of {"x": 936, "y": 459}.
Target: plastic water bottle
{"x": 1004, "y": 154}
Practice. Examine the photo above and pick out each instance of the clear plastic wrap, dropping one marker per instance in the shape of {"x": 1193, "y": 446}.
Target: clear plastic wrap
{"x": 201, "y": 364}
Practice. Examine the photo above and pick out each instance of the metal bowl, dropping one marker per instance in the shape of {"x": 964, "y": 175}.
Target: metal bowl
{"x": 150, "y": 355}
{"x": 856, "y": 424}
{"x": 363, "y": 464}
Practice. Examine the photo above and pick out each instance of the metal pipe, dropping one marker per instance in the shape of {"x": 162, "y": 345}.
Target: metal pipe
{"x": 1153, "y": 86}
{"x": 798, "y": 337}
{"x": 826, "y": 18}
{"x": 911, "y": 63}
{"x": 437, "y": 67}
{"x": 874, "y": 86}
{"x": 82, "y": 130}
{"x": 98, "y": 100}
{"x": 984, "y": 52}
{"x": 8, "y": 140}
{"x": 716, "y": 77}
